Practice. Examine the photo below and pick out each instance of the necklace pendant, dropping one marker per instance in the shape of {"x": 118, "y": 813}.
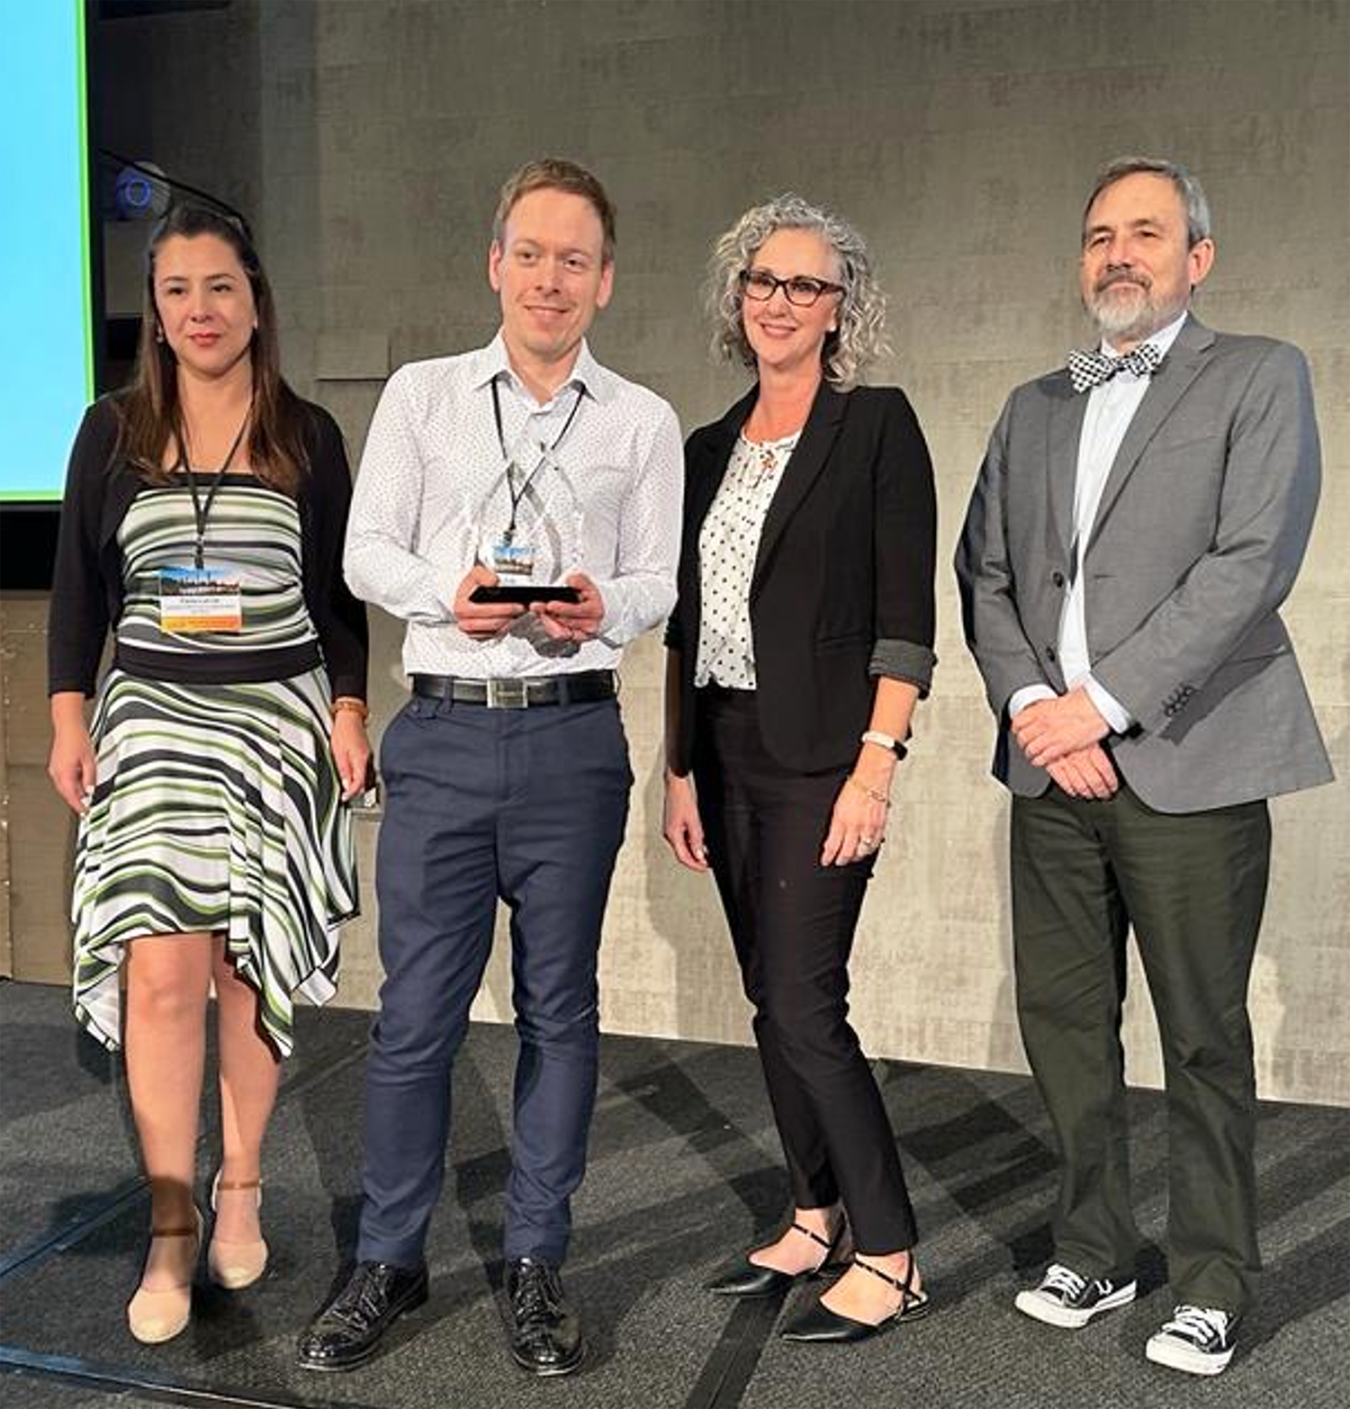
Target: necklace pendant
{"x": 767, "y": 466}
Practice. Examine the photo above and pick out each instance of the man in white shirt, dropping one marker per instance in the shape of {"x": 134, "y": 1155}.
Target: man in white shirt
{"x": 529, "y": 467}
{"x": 1139, "y": 518}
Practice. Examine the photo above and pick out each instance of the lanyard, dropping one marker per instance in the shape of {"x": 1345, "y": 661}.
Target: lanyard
{"x": 200, "y": 510}
{"x": 518, "y": 494}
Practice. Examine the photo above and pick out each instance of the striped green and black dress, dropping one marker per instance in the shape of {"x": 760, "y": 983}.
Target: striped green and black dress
{"x": 217, "y": 806}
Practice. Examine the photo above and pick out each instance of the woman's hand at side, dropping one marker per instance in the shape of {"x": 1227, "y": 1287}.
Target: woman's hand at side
{"x": 351, "y": 751}
{"x": 682, "y": 826}
{"x": 72, "y": 766}
{"x": 858, "y": 820}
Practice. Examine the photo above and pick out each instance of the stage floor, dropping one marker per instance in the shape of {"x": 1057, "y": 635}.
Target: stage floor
{"x": 684, "y": 1172}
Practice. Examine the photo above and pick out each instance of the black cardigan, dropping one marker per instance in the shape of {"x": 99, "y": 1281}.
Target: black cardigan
{"x": 87, "y": 588}
{"x": 843, "y": 585}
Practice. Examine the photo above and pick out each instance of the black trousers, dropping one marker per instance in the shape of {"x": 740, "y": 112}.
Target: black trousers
{"x": 1192, "y": 886}
{"x": 792, "y": 922}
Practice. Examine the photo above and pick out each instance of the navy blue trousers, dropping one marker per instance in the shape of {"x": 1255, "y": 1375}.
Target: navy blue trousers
{"x": 526, "y": 806}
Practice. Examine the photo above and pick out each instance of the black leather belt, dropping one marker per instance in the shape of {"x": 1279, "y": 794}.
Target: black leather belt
{"x": 505, "y": 692}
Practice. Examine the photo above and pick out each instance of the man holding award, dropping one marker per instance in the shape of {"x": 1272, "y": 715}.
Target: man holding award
{"x": 519, "y": 507}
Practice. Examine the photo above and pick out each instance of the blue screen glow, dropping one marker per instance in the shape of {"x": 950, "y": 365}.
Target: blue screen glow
{"x": 46, "y": 361}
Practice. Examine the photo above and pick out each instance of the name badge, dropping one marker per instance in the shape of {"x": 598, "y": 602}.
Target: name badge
{"x": 511, "y": 559}
{"x": 199, "y": 599}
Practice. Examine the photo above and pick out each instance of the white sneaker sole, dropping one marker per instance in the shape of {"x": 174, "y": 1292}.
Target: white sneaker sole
{"x": 1070, "y": 1318}
{"x": 1164, "y": 1350}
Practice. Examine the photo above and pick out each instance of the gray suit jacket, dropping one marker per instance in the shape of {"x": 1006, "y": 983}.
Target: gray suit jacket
{"x": 1199, "y": 535}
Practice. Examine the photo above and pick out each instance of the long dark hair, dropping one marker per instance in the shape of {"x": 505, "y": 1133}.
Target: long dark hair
{"x": 150, "y": 412}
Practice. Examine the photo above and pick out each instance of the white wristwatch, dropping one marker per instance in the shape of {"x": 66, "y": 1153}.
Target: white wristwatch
{"x": 886, "y": 741}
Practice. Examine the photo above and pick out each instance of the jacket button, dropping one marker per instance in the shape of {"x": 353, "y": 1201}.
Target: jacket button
{"x": 1057, "y": 578}
{"x": 1050, "y": 653}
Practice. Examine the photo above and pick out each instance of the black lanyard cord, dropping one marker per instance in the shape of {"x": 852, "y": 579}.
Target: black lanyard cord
{"x": 201, "y": 511}
{"x": 518, "y": 494}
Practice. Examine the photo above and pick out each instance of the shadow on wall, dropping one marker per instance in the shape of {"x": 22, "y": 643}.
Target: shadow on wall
{"x": 1293, "y": 989}
{"x": 1003, "y": 1049}
{"x": 685, "y": 914}
{"x": 957, "y": 881}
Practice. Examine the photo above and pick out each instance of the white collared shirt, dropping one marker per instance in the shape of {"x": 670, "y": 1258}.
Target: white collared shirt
{"x": 432, "y": 486}
{"x": 1110, "y": 409}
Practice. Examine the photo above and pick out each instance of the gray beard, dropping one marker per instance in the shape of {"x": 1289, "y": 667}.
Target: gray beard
{"x": 1133, "y": 320}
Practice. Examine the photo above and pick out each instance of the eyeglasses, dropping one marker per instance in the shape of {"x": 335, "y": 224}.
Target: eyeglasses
{"x": 801, "y": 290}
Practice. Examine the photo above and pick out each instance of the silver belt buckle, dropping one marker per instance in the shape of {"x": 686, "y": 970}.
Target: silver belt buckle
{"x": 503, "y": 693}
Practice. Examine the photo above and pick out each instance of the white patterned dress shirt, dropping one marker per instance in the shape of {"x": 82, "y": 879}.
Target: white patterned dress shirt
{"x": 432, "y": 489}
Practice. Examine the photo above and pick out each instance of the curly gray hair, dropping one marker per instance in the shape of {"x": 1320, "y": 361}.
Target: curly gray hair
{"x": 862, "y": 308}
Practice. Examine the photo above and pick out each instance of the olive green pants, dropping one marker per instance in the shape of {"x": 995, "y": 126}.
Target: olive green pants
{"x": 1192, "y": 886}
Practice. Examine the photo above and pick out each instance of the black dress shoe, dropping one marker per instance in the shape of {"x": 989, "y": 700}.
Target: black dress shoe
{"x": 820, "y": 1324}
{"x": 348, "y": 1330}
{"x": 545, "y": 1330}
{"x": 747, "y": 1279}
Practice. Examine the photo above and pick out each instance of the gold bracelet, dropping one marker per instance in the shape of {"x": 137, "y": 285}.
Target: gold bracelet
{"x": 349, "y": 702}
{"x": 871, "y": 792}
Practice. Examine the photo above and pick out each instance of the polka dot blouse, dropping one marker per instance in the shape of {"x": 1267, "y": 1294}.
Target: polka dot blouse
{"x": 727, "y": 547}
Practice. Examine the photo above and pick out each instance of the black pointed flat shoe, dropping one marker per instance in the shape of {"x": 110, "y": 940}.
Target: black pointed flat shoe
{"x": 819, "y": 1324}
{"x": 748, "y": 1279}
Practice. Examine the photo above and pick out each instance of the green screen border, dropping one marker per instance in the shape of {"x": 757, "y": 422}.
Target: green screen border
{"x": 82, "y": 98}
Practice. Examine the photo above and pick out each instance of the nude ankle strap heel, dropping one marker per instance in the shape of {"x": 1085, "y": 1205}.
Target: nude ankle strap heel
{"x": 235, "y": 1265}
{"x": 154, "y": 1317}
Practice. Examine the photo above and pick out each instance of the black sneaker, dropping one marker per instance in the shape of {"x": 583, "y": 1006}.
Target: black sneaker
{"x": 1198, "y": 1340}
{"x": 1067, "y": 1299}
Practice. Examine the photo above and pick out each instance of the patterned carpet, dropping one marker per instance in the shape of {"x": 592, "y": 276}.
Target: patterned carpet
{"x": 684, "y": 1172}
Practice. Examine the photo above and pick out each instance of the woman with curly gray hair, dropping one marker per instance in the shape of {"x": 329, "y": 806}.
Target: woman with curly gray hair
{"x": 801, "y": 642}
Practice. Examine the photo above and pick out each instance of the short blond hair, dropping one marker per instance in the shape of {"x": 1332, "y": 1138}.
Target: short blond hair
{"x": 556, "y": 174}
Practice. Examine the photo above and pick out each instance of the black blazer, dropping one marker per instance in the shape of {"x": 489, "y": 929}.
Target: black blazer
{"x": 843, "y": 583}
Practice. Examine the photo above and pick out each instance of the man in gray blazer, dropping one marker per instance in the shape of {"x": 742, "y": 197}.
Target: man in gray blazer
{"x": 1139, "y": 518}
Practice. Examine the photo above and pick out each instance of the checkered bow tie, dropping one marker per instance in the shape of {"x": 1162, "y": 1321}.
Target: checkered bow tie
{"x": 1090, "y": 369}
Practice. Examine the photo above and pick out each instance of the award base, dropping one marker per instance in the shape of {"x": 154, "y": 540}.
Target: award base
{"x": 525, "y": 593}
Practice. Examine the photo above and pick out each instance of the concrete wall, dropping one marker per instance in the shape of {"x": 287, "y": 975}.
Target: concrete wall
{"x": 35, "y": 836}
{"x": 960, "y": 136}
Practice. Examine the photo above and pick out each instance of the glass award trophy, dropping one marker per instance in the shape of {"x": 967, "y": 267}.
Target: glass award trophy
{"x": 529, "y": 531}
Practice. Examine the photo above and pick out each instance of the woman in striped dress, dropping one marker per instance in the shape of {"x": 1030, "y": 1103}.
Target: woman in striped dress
{"x": 203, "y": 521}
